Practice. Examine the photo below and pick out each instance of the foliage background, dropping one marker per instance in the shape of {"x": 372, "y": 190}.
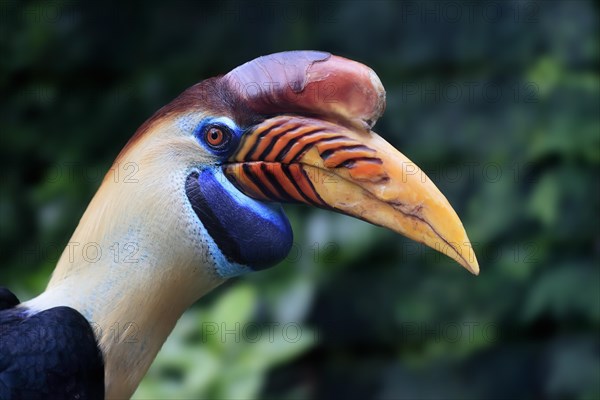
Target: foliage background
{"x": 497, "y": 101}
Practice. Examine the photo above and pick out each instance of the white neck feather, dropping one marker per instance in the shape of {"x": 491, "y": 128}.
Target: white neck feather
{"x": 137, "y": 259}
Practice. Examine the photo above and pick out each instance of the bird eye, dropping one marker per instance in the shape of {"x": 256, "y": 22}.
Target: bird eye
{"x": 217, "y": 137}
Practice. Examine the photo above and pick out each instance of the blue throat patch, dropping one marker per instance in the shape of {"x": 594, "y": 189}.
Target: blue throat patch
{"x": 247, "y": 232}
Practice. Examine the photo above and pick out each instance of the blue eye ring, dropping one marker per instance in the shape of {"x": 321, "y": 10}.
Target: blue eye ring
{"x": 220, "y": 136}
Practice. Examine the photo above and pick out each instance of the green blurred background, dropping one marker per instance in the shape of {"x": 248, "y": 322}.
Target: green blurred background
{"x": 497, "y": 101}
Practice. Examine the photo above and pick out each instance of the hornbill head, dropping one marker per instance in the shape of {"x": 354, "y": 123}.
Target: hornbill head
{"x": 296, "y": 127}
{"x": 193, "y": 198}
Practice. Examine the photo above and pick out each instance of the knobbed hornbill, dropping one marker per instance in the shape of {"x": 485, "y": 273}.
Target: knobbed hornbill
{"x": 212, "y": 167}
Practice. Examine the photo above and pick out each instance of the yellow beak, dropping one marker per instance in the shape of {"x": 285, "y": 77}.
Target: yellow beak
{"x": 348, "y": 169}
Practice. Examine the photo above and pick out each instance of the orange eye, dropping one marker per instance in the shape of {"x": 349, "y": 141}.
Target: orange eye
{"x": 215, "y": 137}
{"x": 218, "y": 138}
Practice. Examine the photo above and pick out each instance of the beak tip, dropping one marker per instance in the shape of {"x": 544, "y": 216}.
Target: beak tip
{"x": 472, "y": 266}
{"x": 465, "y": 256}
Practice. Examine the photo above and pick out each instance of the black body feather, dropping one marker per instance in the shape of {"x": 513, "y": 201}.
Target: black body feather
{"x": 52, "y": 354}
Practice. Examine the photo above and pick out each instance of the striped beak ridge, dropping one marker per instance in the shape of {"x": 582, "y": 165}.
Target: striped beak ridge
{"x": 348, "y": 169}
